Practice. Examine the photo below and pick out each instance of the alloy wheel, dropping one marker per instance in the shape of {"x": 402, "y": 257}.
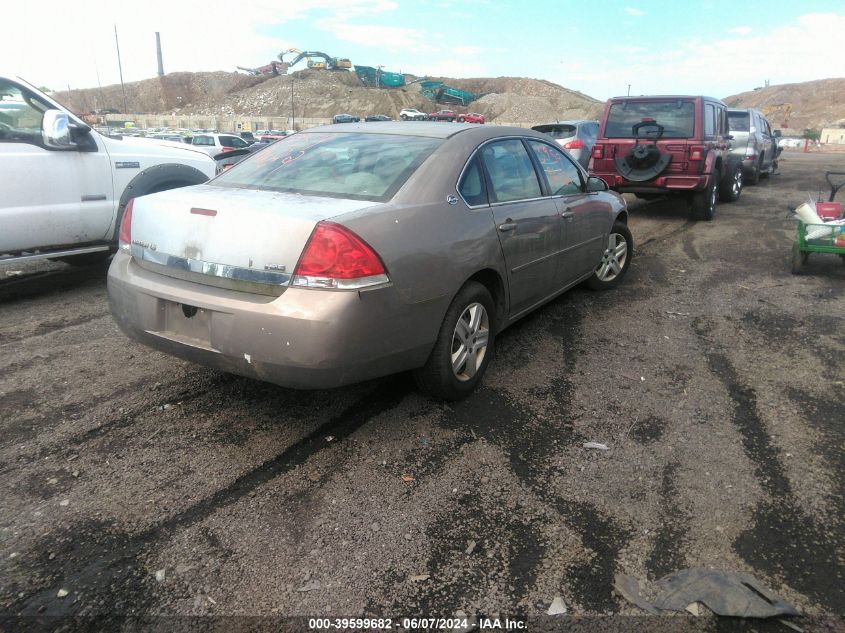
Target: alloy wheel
{"x": 469, "y": 341}
{"x": 613, "y": 259}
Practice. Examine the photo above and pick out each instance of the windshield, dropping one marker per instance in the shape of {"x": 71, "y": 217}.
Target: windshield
{"x": 676, "y": 116}
{"x": 358, "y": 166}
{"x": 556, "y": 130}
{"x": 738, "y": 121}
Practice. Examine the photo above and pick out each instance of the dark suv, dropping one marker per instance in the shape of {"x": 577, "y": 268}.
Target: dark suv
{"x": 652, "y": 146}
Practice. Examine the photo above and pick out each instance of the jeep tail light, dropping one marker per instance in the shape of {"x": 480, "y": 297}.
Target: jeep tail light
{"x": 696, "y": 152}
{"x": 598, "y": 151}
{"x": 124, "y": 237}
{"x": 336, "y": 258}
{"x": 576, "y": 144}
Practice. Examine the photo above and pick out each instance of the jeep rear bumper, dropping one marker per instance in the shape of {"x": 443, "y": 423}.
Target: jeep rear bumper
{"x": 658, "y": 185}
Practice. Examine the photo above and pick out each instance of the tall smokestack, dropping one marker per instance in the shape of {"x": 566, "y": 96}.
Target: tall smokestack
{"x": 158, "y": 53}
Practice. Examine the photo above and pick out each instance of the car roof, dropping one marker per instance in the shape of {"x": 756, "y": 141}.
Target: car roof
{"x": 662, "y": 97}
{"x": 429, "y": 129}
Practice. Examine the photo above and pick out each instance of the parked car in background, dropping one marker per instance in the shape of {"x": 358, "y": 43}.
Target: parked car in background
{"x": 412, "y": 114}
{"x": 213, "y": 144}
{"x": 659, "y": 145}
{"x": 377, "y": 117}
{"x": 345, "y": 118}
{"x": 576, "y": 137}
{"x": 65, "y": 187}
{"x": 753, "y": 144}
{"x": 340, "y": 254}
{"x": 274, "y": 135}
{"x": 249, "y": 137}
{"x": 471, "y": 117}
{"x": 442, "y": 115}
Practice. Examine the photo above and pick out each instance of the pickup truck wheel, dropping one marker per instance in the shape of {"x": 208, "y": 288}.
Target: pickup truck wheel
{"x": 464, "y": 346}
{"x": 404, "y": 117}
{"x": 155, "y": 179}
{"x": 703, "y": 203}
{"x": 730, "y": 190}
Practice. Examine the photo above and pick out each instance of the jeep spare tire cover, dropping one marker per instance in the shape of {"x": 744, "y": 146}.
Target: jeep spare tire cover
{"x": 644, "y": 162}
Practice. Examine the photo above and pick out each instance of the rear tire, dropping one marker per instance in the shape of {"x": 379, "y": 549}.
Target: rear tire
{"x": 730, "y": 190}
{"x": 616, "y": 259}
{"x": 703, "y": 203}
{"x": 464, "y": 348}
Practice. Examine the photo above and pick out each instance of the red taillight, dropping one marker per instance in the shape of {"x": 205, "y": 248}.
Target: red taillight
{"x": 576, "y": 144}
{"x": 335, "y": 257}
{"x": 124, "y": 237}
{"x": 696, "y": 152}
{"x": 598, "y": 151}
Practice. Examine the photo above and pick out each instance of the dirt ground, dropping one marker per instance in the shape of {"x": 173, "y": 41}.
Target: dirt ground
{"x": 146, "y": 486}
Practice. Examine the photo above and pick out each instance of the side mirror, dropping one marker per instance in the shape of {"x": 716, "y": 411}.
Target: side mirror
{"x": 594, "y": 183}
{"x": 55, "y": 130}
{"x": 777, "y": 133}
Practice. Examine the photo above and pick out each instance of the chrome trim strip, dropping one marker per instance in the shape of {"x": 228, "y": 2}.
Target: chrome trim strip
{"x": 236, "y": 273}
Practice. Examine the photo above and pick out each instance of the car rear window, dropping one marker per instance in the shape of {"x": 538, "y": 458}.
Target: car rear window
{"x": 203, "y": 140}
{"x": 738, "y": 121}
{"x": 358, "y": 166}
{"x": 676, "y": 116}
{"x": 558, "y": 130}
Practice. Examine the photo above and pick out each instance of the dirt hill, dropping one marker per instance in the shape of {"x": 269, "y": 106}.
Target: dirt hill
{"x": 812, "y": 104}
{"x": 324, "y": 94}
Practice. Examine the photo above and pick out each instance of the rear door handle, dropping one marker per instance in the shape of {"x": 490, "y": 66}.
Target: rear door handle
{"x": 568, "y": 214}
{"x": 507, "y": 226}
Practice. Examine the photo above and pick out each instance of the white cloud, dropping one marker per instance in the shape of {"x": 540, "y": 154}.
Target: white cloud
{"x": 73, "y": 42}
{"x": 741, "y": 30}
{"x": 713, "y": 66}
{"x": 635, "y": 12}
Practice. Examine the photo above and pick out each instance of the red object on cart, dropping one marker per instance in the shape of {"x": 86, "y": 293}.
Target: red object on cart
{"x": 829, "y": 210}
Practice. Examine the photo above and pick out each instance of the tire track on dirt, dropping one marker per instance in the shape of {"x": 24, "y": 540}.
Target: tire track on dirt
{"x": 104, "y": 563}
{"x": 782, "y": 540}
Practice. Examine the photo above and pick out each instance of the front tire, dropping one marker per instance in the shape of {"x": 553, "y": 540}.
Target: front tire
{"x": 615, "y": 260}
{"x": 703, "y": 203}
{"x": 464, "y": 347}
{"x": 730, "y": 190}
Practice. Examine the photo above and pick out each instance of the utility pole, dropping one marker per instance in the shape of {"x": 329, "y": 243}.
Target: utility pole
{"x": 629, "y": 90}
{"x": 292, "y": 117}
{"x": 120, "y": 68}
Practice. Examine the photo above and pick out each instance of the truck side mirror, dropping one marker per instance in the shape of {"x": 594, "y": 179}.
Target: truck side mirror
{"x": 55, "y": 130}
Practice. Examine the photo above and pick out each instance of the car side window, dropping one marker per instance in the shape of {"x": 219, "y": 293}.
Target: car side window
{"x": 511, "y": 172}
{"x": 203, "y": 140}
{"x": 561, "y": 173}
{"x": 472, "y": 187}
{"x": 20, "y": 115}
{"x": 709, "y": 119}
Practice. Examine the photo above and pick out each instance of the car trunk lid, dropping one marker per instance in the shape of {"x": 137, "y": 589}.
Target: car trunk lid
{"x": 242, "y": 239}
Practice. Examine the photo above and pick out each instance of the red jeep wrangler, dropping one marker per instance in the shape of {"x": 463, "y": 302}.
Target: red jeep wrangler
{"x": 653, "y": 146}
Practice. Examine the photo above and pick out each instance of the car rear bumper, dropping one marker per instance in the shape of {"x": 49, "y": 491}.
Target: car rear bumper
{"x": 305, "y": 339}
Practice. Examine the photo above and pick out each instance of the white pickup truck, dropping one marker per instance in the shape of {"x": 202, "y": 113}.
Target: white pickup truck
{"x": 63, "y": 186}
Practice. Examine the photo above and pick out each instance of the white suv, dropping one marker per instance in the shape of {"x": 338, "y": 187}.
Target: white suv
{"x": 213, "y": 144}
{"x": 63, "y": 186}
{"x": 411, "y": 114}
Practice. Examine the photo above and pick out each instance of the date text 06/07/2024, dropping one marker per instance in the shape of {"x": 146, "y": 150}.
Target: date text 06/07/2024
{"x": 384, "y": 624}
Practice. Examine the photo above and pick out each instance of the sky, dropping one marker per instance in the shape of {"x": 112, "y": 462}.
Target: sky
{"x": 709, "y": 47}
